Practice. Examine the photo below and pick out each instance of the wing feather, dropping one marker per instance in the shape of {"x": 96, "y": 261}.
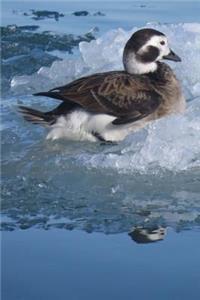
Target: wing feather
{"x": 128, "y": 97}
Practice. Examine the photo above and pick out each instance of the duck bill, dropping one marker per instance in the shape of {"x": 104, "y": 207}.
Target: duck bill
{"x": 172, "y": 56}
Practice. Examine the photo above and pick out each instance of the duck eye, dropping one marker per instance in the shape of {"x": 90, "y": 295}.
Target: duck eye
{"x": 162, "y": 43}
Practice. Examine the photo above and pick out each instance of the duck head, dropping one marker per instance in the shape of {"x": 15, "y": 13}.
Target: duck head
{"x": 144, "y": 49}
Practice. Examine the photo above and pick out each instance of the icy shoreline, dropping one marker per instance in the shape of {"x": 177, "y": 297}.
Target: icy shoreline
{"x": 172, "y": 143}
{"x": 151, "y": 177}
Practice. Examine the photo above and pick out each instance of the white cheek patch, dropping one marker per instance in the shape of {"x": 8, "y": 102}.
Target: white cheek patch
{"x": 155, "y": 41}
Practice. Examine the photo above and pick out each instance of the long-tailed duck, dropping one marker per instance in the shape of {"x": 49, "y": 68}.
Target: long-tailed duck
{"x": 108, "y": 106}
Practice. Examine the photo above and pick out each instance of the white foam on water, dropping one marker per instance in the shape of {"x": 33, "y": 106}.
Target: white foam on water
{"x": 172, "y": 143}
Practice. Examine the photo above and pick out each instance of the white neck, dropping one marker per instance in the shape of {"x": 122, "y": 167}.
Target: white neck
{"x": 133, "y": 66}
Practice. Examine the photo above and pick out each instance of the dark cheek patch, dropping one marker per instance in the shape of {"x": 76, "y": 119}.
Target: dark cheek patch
{"x": 149, "y": 55}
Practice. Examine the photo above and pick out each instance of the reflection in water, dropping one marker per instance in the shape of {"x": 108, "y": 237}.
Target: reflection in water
{"x": 147, "y": 235}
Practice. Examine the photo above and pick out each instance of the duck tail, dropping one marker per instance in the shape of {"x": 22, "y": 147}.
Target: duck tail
{"x": 36, "y": 117}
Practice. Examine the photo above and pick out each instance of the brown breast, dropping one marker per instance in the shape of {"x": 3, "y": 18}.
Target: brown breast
{"x": 167, "y": 85}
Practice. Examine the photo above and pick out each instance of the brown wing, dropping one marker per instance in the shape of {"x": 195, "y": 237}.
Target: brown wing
{"x": 128, "y": 97}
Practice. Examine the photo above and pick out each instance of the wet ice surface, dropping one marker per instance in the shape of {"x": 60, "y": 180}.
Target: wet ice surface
{"x": 150, "y": 179}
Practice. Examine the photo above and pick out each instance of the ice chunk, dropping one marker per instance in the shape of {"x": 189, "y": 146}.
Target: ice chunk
{"x": 105, "y": 52}
{"x": 192, "y": 27}
{"x": 171, "y": 143}
{"x": 195, "y": 89}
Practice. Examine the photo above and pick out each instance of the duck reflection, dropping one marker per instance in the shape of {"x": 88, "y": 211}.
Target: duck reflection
{"x": 147, "y": 235}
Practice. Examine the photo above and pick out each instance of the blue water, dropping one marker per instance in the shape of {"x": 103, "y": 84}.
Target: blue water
{"x": 87, "y": 221}
{"x": 125, "y": 14}
{"x": 59, "y": 264}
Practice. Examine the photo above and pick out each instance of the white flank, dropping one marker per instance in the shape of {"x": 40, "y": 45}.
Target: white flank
{"x": 80, "y": 125}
